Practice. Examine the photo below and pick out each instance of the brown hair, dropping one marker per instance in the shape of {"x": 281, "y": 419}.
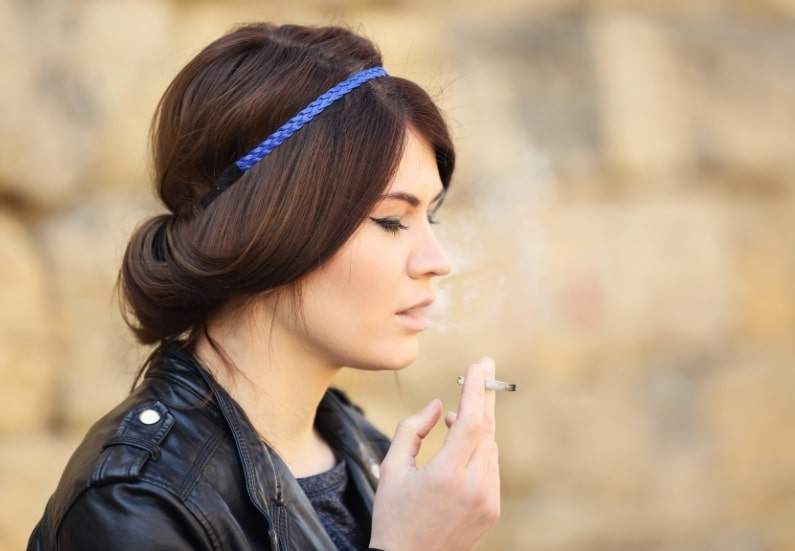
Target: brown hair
{"x": 293, "y": 210}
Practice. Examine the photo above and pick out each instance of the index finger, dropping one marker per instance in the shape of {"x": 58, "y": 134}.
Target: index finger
{"x": 464, "y": 435}
{"x": 489, "y": 417}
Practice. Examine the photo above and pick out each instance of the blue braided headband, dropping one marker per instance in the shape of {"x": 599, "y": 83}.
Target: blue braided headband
{"x": 234, "y": 171}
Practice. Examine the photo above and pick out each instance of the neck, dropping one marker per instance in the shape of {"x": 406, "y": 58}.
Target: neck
{"x": 278, "y": 387}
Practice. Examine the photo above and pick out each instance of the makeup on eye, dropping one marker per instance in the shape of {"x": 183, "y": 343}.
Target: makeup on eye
{"x": 393, "y": 225}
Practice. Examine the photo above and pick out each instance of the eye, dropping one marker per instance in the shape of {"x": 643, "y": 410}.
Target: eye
{"x": 393, "y": 226}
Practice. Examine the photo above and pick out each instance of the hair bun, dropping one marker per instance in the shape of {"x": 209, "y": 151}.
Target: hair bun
{"x": 160, "y": 249}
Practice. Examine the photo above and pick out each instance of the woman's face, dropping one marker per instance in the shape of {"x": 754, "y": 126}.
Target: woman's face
{"x": 351, "y": 303}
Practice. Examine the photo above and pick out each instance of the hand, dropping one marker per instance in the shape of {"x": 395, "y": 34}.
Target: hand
{"x": 451, "y": 501}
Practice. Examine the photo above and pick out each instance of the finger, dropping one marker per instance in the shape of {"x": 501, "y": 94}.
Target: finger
{"x": 493, "y": 466}
{"x": 490, "y": 399}
{"x": 480, "y": 463}
{"x": 409, "y": 434}
{"x": 493, "y": 476}
{"x": 449, "y": 419}
{"x": 481, "y": 476}
{"x": 463, "y": 436}
{"x": 473, "y": 394}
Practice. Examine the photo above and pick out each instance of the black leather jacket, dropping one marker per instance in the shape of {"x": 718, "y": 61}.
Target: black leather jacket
{"x": 161, "y": 471}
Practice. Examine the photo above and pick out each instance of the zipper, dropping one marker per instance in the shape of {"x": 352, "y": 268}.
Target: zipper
{"x": 275, "y": 532}
{"x": 274, "y": 539}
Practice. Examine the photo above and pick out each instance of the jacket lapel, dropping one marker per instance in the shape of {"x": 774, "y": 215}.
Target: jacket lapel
{"x": 339, "y": 427}
{"x": 270, "y": 486}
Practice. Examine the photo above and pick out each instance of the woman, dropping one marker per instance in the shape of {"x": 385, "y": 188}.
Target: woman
{"x": 279, "y": 262}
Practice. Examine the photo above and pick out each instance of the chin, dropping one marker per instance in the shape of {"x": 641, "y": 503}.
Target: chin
{"x": 391, "y": 358}
{"x": 402, "y": 356}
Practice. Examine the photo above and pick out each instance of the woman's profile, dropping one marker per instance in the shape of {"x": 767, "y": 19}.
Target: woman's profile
{"x": 301, "y": 182}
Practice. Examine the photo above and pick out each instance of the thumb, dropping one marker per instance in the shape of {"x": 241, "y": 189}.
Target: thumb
{"x": 409, "y": 434}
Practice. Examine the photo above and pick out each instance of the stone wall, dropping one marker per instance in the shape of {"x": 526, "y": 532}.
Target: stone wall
{"x": 622, "y": 225}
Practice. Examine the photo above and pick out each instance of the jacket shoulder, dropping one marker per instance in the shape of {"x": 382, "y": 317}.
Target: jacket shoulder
{"x": 146, "y": 446}
{"x": 136, "y": 440}
{"x": 158, "y": 434}
{"x": 124, "y": 516}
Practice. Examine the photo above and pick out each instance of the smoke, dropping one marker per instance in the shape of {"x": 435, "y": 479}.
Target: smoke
{"x": 496, "y": 246}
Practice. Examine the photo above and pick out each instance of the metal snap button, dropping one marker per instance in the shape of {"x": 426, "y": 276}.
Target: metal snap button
{"x": 149, "y": 417}
{"x": 376, "y": 470}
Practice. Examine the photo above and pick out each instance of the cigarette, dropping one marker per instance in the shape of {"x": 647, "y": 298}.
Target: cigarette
{"x": 493, "y": 384}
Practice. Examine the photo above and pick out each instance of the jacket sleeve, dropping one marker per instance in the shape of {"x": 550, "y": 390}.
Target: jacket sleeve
{"x": 127, "y": 516}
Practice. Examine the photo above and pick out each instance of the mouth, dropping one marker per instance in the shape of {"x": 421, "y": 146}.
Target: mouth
{"x": 413, "y": 319}
{"x": 419, "y": 306}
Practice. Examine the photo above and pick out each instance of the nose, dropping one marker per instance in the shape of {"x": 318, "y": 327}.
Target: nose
{"x": 429, "y": 257}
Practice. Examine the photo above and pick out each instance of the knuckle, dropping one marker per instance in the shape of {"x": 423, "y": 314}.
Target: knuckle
{"x": 487, "y": 508}
{"x": 472, "y": 429}
{"x": 492, "y": 513}
{"x": 406, "y": 424}
{"x": 475, "y": 498}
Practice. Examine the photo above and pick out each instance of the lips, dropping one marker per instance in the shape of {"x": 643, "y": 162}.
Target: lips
{"x": 413, "y": 319}
{"x": 415, "y": 309}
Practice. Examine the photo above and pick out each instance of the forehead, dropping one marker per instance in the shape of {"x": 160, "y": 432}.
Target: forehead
{"x": 417, "y": 172}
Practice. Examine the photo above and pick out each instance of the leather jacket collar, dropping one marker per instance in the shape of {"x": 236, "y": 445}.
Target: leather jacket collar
{"x": 182, "y": 454}
{"x": 269, "y": 482}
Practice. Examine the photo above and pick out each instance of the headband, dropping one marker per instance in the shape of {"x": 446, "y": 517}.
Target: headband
{"x": 234, "y": 171}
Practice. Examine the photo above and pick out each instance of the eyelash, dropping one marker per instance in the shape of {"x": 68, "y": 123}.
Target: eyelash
{"x": 394, "y": 226}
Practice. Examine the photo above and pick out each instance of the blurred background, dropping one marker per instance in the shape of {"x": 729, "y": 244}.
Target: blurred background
{"x": 621, "y": 224}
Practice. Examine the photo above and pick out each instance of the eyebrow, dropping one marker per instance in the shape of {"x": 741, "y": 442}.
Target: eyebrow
{"x": 410, "y": 198}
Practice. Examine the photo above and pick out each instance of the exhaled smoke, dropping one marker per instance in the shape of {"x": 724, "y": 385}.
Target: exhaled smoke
{"x": 496, "y": 247}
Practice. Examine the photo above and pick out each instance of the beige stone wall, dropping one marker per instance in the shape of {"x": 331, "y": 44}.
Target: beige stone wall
{"x": 622, "y": 228}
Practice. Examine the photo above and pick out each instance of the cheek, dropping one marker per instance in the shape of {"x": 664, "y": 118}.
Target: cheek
{"x": 364, "y": 281}
{"x": 358, "y": 290}
{"x": 351, "y": 303}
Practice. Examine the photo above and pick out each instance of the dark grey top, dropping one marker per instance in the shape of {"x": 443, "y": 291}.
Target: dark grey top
{"x": 339, "y": 506}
